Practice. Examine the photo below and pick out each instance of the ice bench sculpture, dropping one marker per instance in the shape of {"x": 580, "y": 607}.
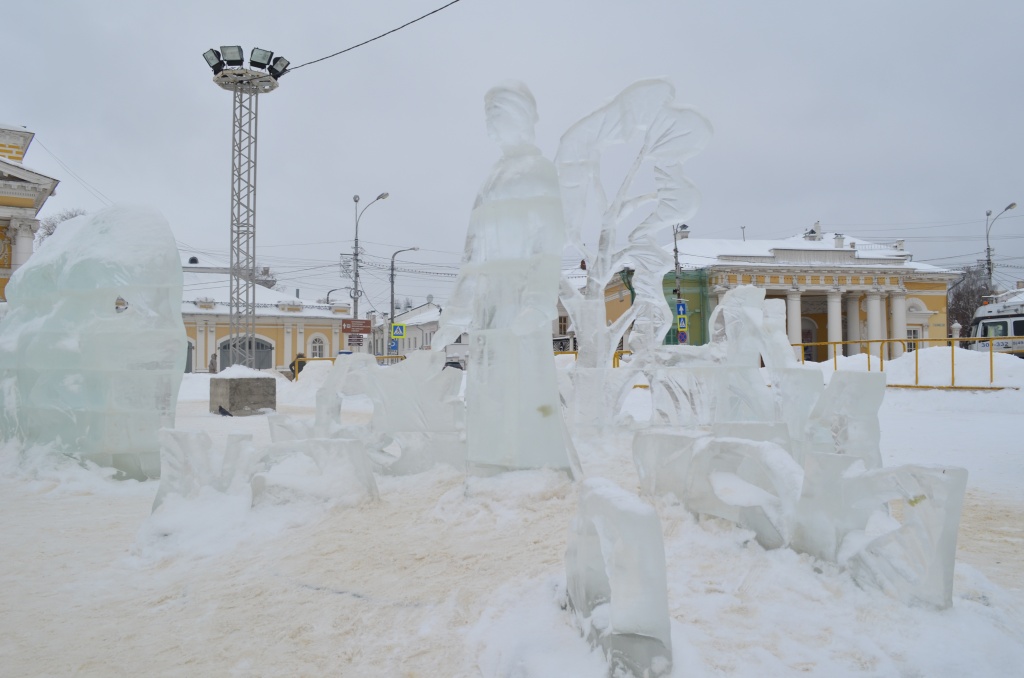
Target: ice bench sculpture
{"x": 616, "y": 581}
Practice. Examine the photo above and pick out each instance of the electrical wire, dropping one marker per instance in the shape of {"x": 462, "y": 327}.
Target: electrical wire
{"x": 366, "y": 42}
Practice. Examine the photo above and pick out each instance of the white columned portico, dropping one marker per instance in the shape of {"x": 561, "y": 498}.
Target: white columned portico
{"x": 874, "y": 303}
{"x": 898, "y": 299}
{"x": 835, "y": 321}
{"x": 853, "y": 323}
{"x": 793, "y": 319}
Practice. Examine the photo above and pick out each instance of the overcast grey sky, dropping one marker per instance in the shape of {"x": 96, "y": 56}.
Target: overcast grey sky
{"x": 882, "y": 119}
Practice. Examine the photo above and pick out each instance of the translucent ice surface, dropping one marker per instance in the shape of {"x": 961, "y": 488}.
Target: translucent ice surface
{"x": 913, "y": 558}
{"x": 615, "y": 571}
{"x": 92, "y": 348}
{"x": 505, "y": 298}
{"x": 845, "y": 418}
{"x": 189, "y": 462}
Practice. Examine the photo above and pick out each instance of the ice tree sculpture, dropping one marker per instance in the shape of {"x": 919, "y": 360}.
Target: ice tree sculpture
{"x": 616, "y": 581}
{"x": 643, "y": 113}
{"x": 93, "y": 347}
{"x": 505, "y": 298}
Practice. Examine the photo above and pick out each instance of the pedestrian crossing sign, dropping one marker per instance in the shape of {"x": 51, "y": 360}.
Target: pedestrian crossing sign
{"x": 398, "y": 331}
{"x": 682, "y": 323}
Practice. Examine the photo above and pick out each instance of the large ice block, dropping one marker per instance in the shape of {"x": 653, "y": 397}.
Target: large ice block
{"x": 615, "y": 572}
{"x": 505, "y": 297}
{"x": 330, "y": 395}
{"x": 755, "y": 484}
{"x": 93, "y": 347}
{"x": 845, "y": 418}
{"x": 913, "y": 558}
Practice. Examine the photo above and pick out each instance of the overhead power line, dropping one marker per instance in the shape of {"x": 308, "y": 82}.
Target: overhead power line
{"x": 366, "y": 42}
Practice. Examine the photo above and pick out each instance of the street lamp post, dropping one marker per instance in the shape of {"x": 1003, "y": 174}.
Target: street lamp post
{"x": 391, "y": 318}
{"x": 355, "y": 252}
{"x": 988, "y": 249}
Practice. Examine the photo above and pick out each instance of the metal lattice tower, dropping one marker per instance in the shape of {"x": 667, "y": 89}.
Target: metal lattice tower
{"x": 246, "y": 85}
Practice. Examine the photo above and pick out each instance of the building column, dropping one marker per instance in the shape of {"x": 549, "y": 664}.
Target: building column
{"x": 22, "y": 233}
{"x": 793, "y": 325}
{"x": 201, "y": 360}
{"x": 211, "y": 342}
{"x": 853, "y": 322}
{"x": 300, "y": 338}
{"x": 835, "y": 321}
{"x": 335, "y": 346}
{"x": 874, "y": 303}
{"x": 898, "y": 300}
{"x": 286, "y": 359}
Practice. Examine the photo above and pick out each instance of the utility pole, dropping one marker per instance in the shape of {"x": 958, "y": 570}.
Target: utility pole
{"x": 988, "y": 249}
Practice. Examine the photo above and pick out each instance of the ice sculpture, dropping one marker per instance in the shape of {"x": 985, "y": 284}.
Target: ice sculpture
{"x": 755, "y": 484}
{"x": 845, "y": 418}
{"x": 93, "y": 346}
{"x": 913, "y": 560}
{"x": 329, "y": 396}
{"x": 666, "y": 135}
{"x": 615, "y": 572}
{"x": 188, "y": 463}
{"x": 331, "y": 470}
{"x": 418, "y": 417}
{"x": 505, "y": 297}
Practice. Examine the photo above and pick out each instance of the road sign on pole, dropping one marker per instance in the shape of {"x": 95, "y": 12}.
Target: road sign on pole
{"x": 393, "y": 345}
{"x": 683, "y": 338}
{"x": 355, "y": 340}
{"x": 681, "y": 308}
{"x": 398, "y": 331}
{"x": 682, "y": 323}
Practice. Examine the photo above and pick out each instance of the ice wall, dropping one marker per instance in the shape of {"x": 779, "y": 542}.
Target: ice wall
{"x": 93, "y": 347}
{"x": 505, "y": 298}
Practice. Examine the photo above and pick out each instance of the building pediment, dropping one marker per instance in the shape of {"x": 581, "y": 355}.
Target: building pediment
{"x": 22, "y": 188}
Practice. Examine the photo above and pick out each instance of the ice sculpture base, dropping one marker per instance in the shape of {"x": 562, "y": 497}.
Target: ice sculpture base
{"x": 244, "y": 396}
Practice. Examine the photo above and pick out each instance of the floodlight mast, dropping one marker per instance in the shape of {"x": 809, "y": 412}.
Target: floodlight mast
{"x": 246, "y": 84}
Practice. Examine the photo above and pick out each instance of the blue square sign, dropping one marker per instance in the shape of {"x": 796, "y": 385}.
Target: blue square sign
{"x": 681, "y": 308}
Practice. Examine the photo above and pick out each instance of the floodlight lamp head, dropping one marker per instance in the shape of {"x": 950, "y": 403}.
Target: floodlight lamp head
{"x": 278, "y": 68}
{"x": 214, "y": 61}
{"x": 260, "y": 58}
{"x": 233, "y": 55}
{"x": 383, "y": 195}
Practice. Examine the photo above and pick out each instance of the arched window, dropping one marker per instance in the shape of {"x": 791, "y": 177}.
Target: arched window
{"x": 317, "y": 348}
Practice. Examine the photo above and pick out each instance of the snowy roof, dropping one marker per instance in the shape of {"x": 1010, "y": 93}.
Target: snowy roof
{"x": 14, "y": 128}
{"x": 206, "y": 292}
{"x": 704, "y": 252}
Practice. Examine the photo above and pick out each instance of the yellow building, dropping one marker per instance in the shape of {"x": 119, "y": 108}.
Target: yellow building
{"x": 835, "y": 289}
{"x": 23, "y": 192}
{"x": 285, "y": 325}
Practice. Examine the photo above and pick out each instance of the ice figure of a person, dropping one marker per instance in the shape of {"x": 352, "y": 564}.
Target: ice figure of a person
{"x": 506, "y": 297}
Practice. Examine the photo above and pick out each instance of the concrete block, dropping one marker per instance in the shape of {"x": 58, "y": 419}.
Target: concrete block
{"x": 242, "y": 396}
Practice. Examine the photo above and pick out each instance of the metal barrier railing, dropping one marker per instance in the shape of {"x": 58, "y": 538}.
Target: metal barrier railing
{"x": 917, "y": 343}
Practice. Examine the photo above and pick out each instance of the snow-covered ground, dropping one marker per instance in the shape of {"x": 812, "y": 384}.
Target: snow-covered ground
{"x": 449, "y": 576}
